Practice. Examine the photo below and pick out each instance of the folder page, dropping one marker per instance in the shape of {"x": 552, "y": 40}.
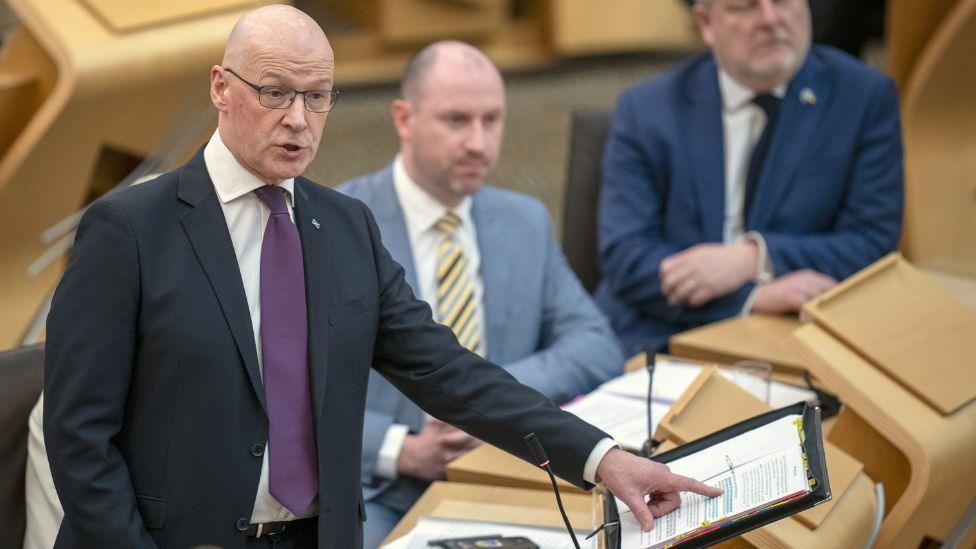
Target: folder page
{"x": 758, "y": 470}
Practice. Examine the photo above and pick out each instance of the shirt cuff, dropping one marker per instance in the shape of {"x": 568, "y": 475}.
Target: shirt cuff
{"x": 386, "y": 462}
{"x": 596, "y": 456}
{"x": 764, "y": 265}
{"x": 747, "y": 307}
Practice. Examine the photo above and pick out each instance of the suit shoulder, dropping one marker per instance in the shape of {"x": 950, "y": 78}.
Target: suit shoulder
{"x": 519, "y": 207}
{"x": 666, "y": 83}
{"x": 143, "y": 199}
{"x": 364, "y": 187}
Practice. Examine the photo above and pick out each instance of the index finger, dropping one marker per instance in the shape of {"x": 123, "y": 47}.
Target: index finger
{"x": 685, "y": 484}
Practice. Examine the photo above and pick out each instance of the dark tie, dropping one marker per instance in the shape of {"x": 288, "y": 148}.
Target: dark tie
{"x": 292, "y": 460}
{"x": 769, "y": 103}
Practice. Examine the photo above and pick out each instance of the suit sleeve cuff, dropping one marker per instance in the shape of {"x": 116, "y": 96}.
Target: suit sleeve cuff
{"x": 596, "y": 456}
{"x": 764, "y": 265}
{"x": 386, "y": 463}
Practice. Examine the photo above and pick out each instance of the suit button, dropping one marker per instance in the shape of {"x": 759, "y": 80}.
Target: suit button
{"x": 242, "y": 524}
{"x": 257, "y": 450}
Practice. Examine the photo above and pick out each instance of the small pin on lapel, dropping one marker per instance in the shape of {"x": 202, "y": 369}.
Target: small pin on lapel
{"x": 315, "y": 223}
{"x": 807, "y": 97}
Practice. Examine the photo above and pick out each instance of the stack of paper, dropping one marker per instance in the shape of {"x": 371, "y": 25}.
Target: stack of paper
{"x": 759, "y": 469}
{"x": 619, "y": 406}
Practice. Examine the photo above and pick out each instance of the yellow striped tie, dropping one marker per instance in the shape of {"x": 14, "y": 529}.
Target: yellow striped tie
{"x": 457, "y": 304}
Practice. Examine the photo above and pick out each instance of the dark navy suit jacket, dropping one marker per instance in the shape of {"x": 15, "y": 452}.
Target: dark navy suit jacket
{"x": 154, "y": 409}
{"x": 829, "y": 197}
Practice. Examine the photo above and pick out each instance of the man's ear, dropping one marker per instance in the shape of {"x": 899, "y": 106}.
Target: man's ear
{"x": 218, "y": 88}
{"x": 401, "y": 110}
{"x": 703, "y": 18}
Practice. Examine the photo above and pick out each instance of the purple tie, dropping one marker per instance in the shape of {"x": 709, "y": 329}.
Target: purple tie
{"x": 284, "y": 346}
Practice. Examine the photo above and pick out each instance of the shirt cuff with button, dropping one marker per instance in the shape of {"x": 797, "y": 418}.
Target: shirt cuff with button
{"x": 386, "y": 462}
{"x": 596, "y": 456}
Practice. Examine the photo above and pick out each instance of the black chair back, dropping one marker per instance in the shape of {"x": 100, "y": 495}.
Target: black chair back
{"x": 588, "y": 134}
{"x": 21, "y": 381}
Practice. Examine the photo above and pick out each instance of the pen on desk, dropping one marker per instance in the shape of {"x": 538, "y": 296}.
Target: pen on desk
{"x": 729, "y": 461}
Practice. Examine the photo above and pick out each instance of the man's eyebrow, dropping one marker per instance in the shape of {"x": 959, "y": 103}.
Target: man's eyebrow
{"x": 320, "y": 83}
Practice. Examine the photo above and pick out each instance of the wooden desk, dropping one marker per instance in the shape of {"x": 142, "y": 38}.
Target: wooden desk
{"x": 509, "y": 505}
{"x": 757, "y": 337}
{"x": 924, "y": 459}
{"x": 487, "y": 464}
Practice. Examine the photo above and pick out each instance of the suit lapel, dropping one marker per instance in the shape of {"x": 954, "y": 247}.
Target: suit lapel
{"x": 704, "y": 141}
{"x": 800, "y": 115}
{"x": 494, "y": 245}
{"x": 207, "y": 230}
{"x": 318, "y": 275}
{"x": 393, "y": 226}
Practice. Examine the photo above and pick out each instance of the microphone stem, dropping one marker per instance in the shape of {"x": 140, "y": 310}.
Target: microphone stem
{"x": 562, "y": 510}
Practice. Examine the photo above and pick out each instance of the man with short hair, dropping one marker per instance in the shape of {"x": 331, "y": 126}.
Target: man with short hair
{"x": 209, "y": 345}
{"x": 748, "y": 179}
{"x": 484, "y": 258}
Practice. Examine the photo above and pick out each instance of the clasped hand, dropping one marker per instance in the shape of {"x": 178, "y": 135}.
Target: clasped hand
{"x": 427, "y": 454}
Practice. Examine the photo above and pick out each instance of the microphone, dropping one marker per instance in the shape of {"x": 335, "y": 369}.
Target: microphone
{"x": 543, "y": 461}
{"x": 650, "y": 444}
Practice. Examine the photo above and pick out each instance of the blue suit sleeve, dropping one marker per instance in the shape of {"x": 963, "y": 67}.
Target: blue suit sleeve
{"x": 631, "y": 215}
{"x": 91, "y": 347}
{"x": 578, "y": 350}
{"x": 868, "y": 223}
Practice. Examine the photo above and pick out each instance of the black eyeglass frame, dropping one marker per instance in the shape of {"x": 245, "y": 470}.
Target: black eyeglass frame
{"x": 294, "y": 93}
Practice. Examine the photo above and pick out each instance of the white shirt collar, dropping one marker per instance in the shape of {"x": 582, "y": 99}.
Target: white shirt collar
{"x": 421, "y": 210}
{"x": 736, "y": 95}
{"x": 230, "y": 179}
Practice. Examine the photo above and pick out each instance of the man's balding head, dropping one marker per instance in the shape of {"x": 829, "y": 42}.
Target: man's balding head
{"x": 448, "y": 55}
{"x": 272, "y": 46}
{"x": 450, "y": 120}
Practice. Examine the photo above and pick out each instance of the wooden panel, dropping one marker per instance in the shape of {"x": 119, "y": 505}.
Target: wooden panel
{"x": 493, "y": 503}
{"x": 758, "y": 337}
{"x": 926, "y": 340}
{"x": 487, "y": 464}
{"x": 126, "y": 15}
{"x": 585, "y": 27}
{"x": 961, "y": 288}
{"x": 94, "y": 83}
{"x": 938, "y": 115}
{"x": 908, "y": 27}
{"x": 421, "y": 21}
{"x": 939, "y": 449}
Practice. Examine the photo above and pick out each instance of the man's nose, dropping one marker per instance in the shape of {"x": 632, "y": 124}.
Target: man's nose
{"x": 476, "y": 138}
{"x": 768, "y": 13}
{"x": 295, "y": 114}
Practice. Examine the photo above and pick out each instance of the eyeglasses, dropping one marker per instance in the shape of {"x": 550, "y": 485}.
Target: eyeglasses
{"x": 281, "y": 97}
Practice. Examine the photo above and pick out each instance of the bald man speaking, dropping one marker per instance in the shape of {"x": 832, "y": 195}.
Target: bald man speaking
{"x": 210, "y": 342}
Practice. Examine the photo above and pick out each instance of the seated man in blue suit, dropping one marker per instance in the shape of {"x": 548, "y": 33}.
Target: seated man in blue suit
{"x": 484, "y": 258}
{"x": 748, "y": 179}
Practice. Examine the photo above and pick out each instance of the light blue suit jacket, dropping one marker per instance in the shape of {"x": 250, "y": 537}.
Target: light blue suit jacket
{"x": 541, "y": 324}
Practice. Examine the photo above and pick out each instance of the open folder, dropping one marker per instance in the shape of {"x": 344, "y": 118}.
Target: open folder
{"x": 770, "y": 466}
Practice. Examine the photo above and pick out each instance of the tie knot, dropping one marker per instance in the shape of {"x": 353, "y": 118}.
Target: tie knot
{"x": 273, "y": 197}
{"x": 449, "y": 223}
{"x": 768, "y": 102}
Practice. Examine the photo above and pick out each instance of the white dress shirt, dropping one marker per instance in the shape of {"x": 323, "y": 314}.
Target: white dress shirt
{"x": 421, "y": 212}
{"x": 742, "y": 122}
{"x": 246, "y": 217}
